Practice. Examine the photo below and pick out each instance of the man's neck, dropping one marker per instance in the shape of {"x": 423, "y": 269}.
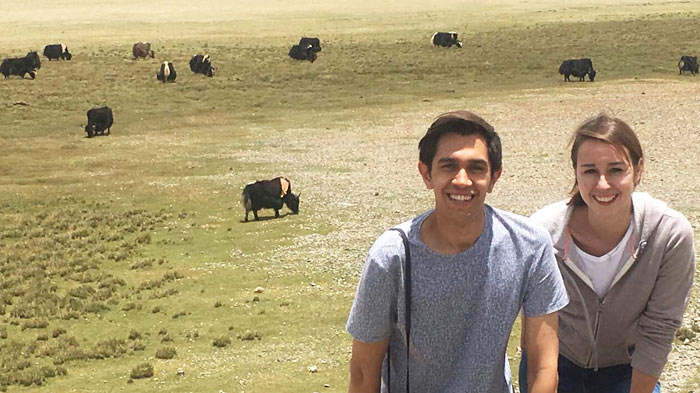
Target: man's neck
{"x": 451, "y": 235}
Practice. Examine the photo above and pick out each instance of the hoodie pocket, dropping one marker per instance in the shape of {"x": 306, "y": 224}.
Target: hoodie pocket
{"x": 573, "y": 344}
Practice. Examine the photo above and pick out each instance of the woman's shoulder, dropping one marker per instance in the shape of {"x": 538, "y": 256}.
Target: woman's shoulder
{"x": 657, "y": 213}
{"x": 553, "y": 213}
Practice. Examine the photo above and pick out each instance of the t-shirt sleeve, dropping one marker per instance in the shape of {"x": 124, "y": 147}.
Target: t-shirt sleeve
{"x": 374, "y": 308}
{"x": 545, "y": 292}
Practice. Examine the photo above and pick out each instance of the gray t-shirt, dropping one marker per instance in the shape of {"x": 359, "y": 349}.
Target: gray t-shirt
{"x": 462, "y": 307}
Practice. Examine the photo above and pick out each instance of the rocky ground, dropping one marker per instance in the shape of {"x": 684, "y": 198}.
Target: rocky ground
{"x": 535, "y": 127}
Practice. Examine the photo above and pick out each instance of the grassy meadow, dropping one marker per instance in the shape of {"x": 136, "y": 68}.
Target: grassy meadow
{"x": 127, "y": 253}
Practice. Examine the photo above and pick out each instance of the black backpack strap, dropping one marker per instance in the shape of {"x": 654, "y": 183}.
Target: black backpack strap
{"x": 407, "y": 298}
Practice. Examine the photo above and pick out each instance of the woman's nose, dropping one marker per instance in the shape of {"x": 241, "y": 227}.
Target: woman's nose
{"x": 603, "y": 182}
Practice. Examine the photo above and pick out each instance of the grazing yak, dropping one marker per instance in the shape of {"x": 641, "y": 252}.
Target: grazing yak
{"x": 57, "y": 51}
{"x": 167, "y": 72}
{"x": 99, "y": 120}
{"x": 269, "y": 194}
{"x": 578, "y": 68}
{"x": 446, "y": 39}
{"x": 19, "y": 66}
{"x": 315, "y": 43}
{"x": 298, "y": 52}
{"x": 201, "y": 64}
{"x": 142, "y": 49}
{"x": 688, "y": 63}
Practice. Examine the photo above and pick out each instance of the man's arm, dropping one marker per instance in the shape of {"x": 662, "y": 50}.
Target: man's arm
{"x": 642, "y": 383}
{"x": 542, "y": 346}
{"x": 366, "y": 366}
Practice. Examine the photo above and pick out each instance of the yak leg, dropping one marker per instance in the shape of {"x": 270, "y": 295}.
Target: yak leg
{"x": 255, "y": 213}
{"x": 277, "y": 213}
{"x": 246, "y": 215}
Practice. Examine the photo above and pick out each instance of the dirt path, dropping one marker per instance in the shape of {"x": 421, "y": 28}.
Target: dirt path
{"x": 535, "y": 126}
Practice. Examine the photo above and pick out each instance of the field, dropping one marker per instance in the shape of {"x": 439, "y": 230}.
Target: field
{"x": 124, "y": 252}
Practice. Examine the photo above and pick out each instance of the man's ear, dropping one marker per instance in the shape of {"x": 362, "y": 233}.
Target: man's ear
{"x": 494, "y": 178}
{"x": 425, "y": 174}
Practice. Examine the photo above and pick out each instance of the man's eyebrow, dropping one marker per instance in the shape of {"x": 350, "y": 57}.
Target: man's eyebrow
{"x": 609, "y": 164}
{"x": 445, "y": 160}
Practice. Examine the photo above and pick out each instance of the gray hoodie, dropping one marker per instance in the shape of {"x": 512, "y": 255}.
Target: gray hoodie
{"x": 636, "y": 321}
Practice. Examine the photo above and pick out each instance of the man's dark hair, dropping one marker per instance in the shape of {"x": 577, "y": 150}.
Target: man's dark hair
{"x": 462, "y": 123}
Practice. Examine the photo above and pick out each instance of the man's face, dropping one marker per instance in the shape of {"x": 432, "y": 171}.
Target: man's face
{"x": 460, "y": 176}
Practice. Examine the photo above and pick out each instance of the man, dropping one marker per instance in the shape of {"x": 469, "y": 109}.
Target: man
{"x": 472, "y": 269}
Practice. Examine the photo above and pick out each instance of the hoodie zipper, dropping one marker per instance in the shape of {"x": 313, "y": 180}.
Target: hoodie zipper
{"x": 595, "y": 335}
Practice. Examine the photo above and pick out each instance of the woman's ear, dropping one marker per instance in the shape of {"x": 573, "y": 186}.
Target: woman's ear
{"x": 638, "y": 170}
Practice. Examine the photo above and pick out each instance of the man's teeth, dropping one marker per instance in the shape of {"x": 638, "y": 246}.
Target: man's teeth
{"x": 462, "y": 197}
{"x": 604, "y": 199}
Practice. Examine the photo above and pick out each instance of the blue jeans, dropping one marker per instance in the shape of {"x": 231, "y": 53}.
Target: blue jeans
{"x": 575, "y": 379}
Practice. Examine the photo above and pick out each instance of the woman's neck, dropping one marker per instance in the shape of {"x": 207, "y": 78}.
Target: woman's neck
{"x": 597, "y": 234}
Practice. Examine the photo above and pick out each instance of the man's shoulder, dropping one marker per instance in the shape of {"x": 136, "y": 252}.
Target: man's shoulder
{"x": 390, "y": 243}
{"x": 518, "y": 227}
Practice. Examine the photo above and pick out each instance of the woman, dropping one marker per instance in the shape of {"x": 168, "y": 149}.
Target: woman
{"x": 627, "y": 260}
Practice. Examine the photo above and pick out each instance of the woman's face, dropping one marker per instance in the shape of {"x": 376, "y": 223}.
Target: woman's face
{"x": 606, "y": 177}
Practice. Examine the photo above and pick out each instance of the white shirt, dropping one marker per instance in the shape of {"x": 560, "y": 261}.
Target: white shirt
{"x": 603, "y": 269}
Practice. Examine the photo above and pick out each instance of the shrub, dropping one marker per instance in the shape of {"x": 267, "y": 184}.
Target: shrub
{"x": 192, "y": 334}
{"x": 141, "y": 264}
{"x": 172, "y": 276}
{"x": 166, "y": 353}
{"x": 70, "y": 315}
{"x": 249, "y": 335}
{"x": 110, "y": 348}
{"x": 218, "y": 304}
{"x": 221, "y": 342}
{"x": 57, "y": 332}
{"x": 160, "y": 295}
{"x": 3, "y": 332}
{"x": 48, "y": 372}
{"x": 96, "y": 307}
{"x": 134, "y": 334}
{"x": 35, "y": 324}
{"x": 129, "y": 307}
{"x": 685, "y": 333}
{"x": 180, "y": 314}
{"x": 143, "y": 370}
{"x": 151, "y": 284}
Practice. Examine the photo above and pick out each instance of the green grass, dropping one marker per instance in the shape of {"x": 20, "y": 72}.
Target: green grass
{"x": 97, "y": 234}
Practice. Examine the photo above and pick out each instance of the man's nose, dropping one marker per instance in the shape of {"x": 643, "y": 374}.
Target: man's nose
{"x": 462, "y": 178}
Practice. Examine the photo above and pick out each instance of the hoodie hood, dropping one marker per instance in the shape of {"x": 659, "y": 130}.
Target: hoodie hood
{"x": 647, "y": 213}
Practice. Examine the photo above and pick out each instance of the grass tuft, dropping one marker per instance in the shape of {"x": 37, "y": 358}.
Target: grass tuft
{"x": 143, "y": 370}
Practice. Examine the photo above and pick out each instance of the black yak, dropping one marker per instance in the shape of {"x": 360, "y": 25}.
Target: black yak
{"x": 269, "y": 194}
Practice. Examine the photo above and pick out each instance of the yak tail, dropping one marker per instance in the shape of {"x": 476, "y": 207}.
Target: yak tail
{"x": 245, "y": 200}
